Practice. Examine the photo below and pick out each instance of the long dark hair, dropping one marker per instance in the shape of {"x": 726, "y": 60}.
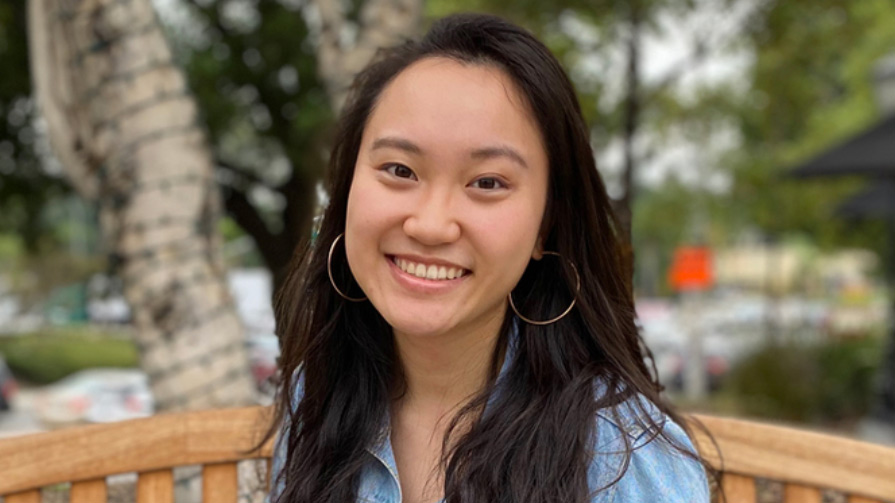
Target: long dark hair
{"x": 535, "y": 441}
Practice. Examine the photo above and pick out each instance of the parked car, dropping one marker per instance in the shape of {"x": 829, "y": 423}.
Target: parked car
{"x": 8, "y": 386}
{"x": 98, "y": 395}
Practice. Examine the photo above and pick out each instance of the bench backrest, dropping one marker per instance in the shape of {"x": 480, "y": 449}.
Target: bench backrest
{"x": 151, "y": 447}
{"x": 805, "y": 462}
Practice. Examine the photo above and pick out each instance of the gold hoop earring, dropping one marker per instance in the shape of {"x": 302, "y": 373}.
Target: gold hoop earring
{"x": 564, "y": 313}
{"x": 329, "y": 270}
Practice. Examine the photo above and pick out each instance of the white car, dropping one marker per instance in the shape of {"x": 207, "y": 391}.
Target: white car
{"x": 98, "y": 395}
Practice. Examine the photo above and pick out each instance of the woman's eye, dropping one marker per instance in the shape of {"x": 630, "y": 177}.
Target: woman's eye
{"x": 400, "y": 171}
{"x": 488, "y": 183}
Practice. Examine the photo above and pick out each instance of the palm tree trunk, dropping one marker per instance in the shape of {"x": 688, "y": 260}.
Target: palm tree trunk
{"x": 123, "y": 125}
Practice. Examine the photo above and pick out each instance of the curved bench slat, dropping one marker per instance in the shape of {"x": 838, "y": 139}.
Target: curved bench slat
{"x": 140, "y": 445}
{"x": 217, "y": 439}
{"x": 90, "y": 491}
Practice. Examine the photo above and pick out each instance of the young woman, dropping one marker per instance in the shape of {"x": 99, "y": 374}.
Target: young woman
{"x": 462, "y": 331}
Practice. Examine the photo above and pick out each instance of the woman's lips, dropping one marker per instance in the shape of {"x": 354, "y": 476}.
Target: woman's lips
{"x": 430, "y": 270}
{"x": 418, "y": 284}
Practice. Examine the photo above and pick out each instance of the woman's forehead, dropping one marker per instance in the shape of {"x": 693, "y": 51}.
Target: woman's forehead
{"x": 443, "y": 103}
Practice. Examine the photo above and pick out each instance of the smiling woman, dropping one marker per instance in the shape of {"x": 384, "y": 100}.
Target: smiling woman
{"x": 454, "y": 180}
{"x": 465, "y": 334}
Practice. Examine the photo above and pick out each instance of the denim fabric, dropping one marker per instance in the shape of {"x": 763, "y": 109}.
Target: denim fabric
{"x": 656, "y": 473}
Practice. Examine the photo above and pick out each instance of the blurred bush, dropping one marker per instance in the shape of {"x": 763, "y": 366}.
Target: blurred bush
{"x": 47, "y": 356}
{"x": 34, "y": 278}
{"x": 830, "y": 382}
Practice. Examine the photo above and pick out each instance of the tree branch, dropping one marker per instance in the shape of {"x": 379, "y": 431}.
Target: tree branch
{"x": 249, "y": 219}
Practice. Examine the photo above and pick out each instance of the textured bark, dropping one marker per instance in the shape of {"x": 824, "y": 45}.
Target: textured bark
{"x": 383, "y": 23}
{"x": 124, "y": 126}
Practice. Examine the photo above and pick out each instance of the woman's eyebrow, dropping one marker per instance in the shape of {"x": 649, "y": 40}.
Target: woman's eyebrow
{"x": 499, "y": 151}
{"x": 398, "y": 143}
{"x": 483, "y": 153}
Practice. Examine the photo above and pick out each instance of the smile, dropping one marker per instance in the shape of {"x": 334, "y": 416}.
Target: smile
{"x": 429, "y": 271}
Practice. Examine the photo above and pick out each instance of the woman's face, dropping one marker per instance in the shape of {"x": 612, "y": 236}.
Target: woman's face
{"x": 449, "y": 190}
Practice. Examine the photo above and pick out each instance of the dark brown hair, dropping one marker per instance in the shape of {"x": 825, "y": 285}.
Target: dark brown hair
{"x": 535, "y": 442}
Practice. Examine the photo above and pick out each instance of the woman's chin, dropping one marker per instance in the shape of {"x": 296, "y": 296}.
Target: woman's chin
{"x": 419, "y": 328}
{"x": 418, "y": 318}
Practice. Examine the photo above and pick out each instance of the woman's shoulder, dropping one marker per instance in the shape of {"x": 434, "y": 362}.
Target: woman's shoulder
{"x": 662, "y": 467}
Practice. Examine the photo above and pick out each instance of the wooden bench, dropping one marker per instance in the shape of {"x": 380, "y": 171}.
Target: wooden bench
{"x": 804, "y": 462}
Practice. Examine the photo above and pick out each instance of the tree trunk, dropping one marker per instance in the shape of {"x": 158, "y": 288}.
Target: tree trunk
{"x": 123, "y": 124}
{"x": 624, "y": 207}
{"x": 383, "y": 23}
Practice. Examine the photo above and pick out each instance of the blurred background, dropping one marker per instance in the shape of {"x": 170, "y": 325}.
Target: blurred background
{"x": 159, "y": 160}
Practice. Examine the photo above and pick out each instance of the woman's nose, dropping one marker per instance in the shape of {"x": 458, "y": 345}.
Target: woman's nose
{"x": 433, "y": 222}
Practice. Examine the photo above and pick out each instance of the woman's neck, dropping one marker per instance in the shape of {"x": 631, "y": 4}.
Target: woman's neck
{"x": 442, "y": 372}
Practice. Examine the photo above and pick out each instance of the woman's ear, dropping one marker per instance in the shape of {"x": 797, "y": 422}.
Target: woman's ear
{"x": 538, "y": 252}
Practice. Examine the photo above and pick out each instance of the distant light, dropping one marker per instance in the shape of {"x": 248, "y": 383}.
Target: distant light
{"x": 884, "y": 83}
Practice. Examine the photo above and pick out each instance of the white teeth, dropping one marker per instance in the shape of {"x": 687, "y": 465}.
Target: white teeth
{"x": 432, "y": 272}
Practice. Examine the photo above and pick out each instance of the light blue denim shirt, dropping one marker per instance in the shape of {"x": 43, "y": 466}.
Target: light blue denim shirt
{"x": 657, "y": 473}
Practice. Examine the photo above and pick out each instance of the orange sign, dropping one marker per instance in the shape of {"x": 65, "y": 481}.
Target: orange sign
{"x": 691, "y": 269}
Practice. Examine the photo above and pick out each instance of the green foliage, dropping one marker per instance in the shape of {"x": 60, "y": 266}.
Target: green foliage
{"x": 810, "y": 88}
{"x": 825, "y": 383}
{"x": 264, "y": 107}
{"x": 11, "y": 249}
{"x": 807, "y": 88}
{"x": 230, "y": 230}
{"x": 47, "y": 356}
{"x": 25, "y": 188}
{"x": 262, "y": 77}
